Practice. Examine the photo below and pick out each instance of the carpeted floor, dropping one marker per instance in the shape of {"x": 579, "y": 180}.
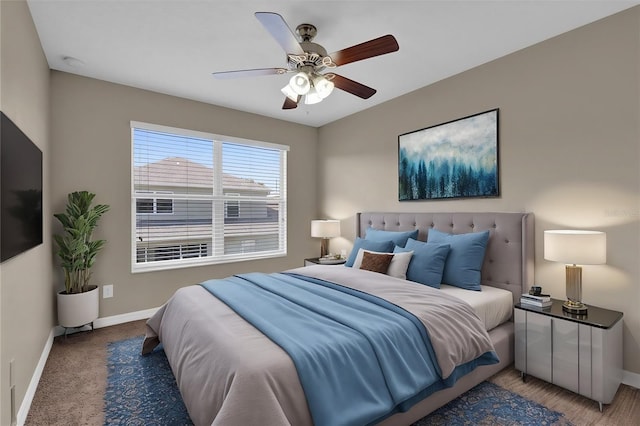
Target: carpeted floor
{"x": 74, "y": 384}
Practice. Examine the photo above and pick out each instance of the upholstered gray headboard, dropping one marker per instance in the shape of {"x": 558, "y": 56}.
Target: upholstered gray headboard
{"x": 509, "y": 259}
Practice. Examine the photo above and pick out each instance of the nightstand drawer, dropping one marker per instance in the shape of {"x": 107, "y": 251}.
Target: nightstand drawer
{"x": 539, "y": 357}
{"x": 566, "y": 359}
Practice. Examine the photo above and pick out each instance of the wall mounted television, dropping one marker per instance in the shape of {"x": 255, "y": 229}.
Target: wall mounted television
{"x": 20, "y": 191}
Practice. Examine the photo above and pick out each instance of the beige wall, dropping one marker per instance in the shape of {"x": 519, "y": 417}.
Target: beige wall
{"x": 569, "y": 152}
{"x": 92, "y": 140}
{"x": 26, "y": 290}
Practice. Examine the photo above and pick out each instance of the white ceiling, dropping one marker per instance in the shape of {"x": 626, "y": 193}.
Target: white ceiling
{"x": 173, "y": 46}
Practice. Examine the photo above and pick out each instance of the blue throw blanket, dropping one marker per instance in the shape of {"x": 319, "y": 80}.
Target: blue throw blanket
{"x": 359, "y": 358}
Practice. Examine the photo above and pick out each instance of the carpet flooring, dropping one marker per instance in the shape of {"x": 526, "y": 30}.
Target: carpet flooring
{"x": 74, "y": 384}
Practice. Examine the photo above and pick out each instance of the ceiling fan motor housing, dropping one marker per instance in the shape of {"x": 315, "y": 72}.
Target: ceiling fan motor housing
{"x": 306, "y": 32}
{"x": 315, "y": 56}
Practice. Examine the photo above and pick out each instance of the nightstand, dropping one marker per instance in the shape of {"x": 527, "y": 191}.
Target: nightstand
{"x": 581, "y": 353}
{"x": 316, "y": 261}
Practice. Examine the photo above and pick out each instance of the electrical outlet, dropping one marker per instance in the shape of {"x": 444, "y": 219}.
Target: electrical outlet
{"x": 107, "y": 291}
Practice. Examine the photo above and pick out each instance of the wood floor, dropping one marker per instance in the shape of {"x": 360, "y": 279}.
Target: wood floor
{"x": 72, "y": 386}
{"x": 581, "y": 411}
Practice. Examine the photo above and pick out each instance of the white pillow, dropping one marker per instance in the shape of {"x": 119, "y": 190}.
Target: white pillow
{"x": 397, "y": 267}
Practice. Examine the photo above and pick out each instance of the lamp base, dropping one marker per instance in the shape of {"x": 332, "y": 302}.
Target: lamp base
{"x": 574, "y": 291}
{"x": 324, "y": 247}
{"x": 574, "y": 307}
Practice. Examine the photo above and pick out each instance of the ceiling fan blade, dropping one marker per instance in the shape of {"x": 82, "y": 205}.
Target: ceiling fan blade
{"x": 280, "y": 31}
{"x": 289, "y": 103}
{"x": 353, "y": 87}
{"x": 225, "y": 75}
{"x": 368, "y": 49}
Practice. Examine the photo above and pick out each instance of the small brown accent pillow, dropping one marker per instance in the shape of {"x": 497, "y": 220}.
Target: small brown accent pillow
{"x": 376, "y": 262}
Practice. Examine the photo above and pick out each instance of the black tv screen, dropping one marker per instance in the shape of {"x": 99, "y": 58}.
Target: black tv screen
{"x": 21, "y": 191}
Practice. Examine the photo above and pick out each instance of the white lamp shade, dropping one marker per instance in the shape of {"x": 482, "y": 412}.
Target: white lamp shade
{"x": 575, "y": 247}
{"x": 312, "y": 97}
{"x": 325, "y": 228}
{"x": 290, "y": 93}
{"x": 323, "y": 86}
{"x": 300, "y": 83}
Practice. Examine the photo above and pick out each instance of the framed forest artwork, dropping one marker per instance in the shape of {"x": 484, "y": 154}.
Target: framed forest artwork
{"x": 457, "y": 159}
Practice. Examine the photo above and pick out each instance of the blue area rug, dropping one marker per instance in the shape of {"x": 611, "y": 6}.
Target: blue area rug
{"x": 141, "y": 390}
{"x": 489, "y": 404}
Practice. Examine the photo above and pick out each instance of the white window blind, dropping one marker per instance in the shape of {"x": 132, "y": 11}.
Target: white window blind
{"x": 199, "y": 198}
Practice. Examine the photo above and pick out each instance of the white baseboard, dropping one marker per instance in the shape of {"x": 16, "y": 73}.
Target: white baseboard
{"x": 631, "y": 379}
{"x": 59, "y": 331}
{"x": 21, "y": 417}
{"x": 113, "y": 320}
{"x": 122, "y": 318}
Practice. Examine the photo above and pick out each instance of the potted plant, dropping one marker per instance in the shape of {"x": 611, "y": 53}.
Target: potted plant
{"x": 78, "y": 303}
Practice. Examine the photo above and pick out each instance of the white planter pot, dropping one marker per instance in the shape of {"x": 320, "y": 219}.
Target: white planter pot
{"x": 78, "y": 309}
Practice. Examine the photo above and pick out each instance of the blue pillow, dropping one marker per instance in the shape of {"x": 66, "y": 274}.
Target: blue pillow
{"x": 427, "y": 262}
{"x": 398, "y": 238}
{"x": 463, "y": 266}
{"x": 379, "y": 246}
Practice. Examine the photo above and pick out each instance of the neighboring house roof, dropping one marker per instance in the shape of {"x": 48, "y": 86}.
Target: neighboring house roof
{"x": 178, "y": 172}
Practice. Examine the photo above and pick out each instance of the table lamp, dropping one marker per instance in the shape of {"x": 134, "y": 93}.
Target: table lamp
{"x": 325, "y": 229}
{"x": 574, "y": 247}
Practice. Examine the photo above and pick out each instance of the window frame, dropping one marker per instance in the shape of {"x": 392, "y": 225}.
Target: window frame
{"x": 218, "y": 198}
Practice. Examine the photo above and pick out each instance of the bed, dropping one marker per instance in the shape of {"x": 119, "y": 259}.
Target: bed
{"x": 229, "y": 373}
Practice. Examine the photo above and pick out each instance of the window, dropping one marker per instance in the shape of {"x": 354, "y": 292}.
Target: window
{"x": 232, "y": 208}
{"x": 154, "y": 205}
{"x": 199, "y": 198}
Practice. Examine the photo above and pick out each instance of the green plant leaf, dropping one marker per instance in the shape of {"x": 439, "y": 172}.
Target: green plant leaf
{"x": 76, "y": 250}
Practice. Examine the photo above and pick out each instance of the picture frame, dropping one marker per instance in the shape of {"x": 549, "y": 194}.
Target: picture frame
{"x": 456, "y": 159}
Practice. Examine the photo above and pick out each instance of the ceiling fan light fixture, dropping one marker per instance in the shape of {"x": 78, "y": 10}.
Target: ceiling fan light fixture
{"x": 313, "y": 97}
{"x": 300, "y": 83}
{"x": 290, "y": 93}
{"x": 322, "y": 86}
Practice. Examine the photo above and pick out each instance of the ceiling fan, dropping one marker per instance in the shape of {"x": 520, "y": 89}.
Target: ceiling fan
{"x": 308, "y": 59}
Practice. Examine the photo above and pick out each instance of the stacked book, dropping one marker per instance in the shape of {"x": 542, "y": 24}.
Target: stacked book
{"x": 541, "y": 301}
